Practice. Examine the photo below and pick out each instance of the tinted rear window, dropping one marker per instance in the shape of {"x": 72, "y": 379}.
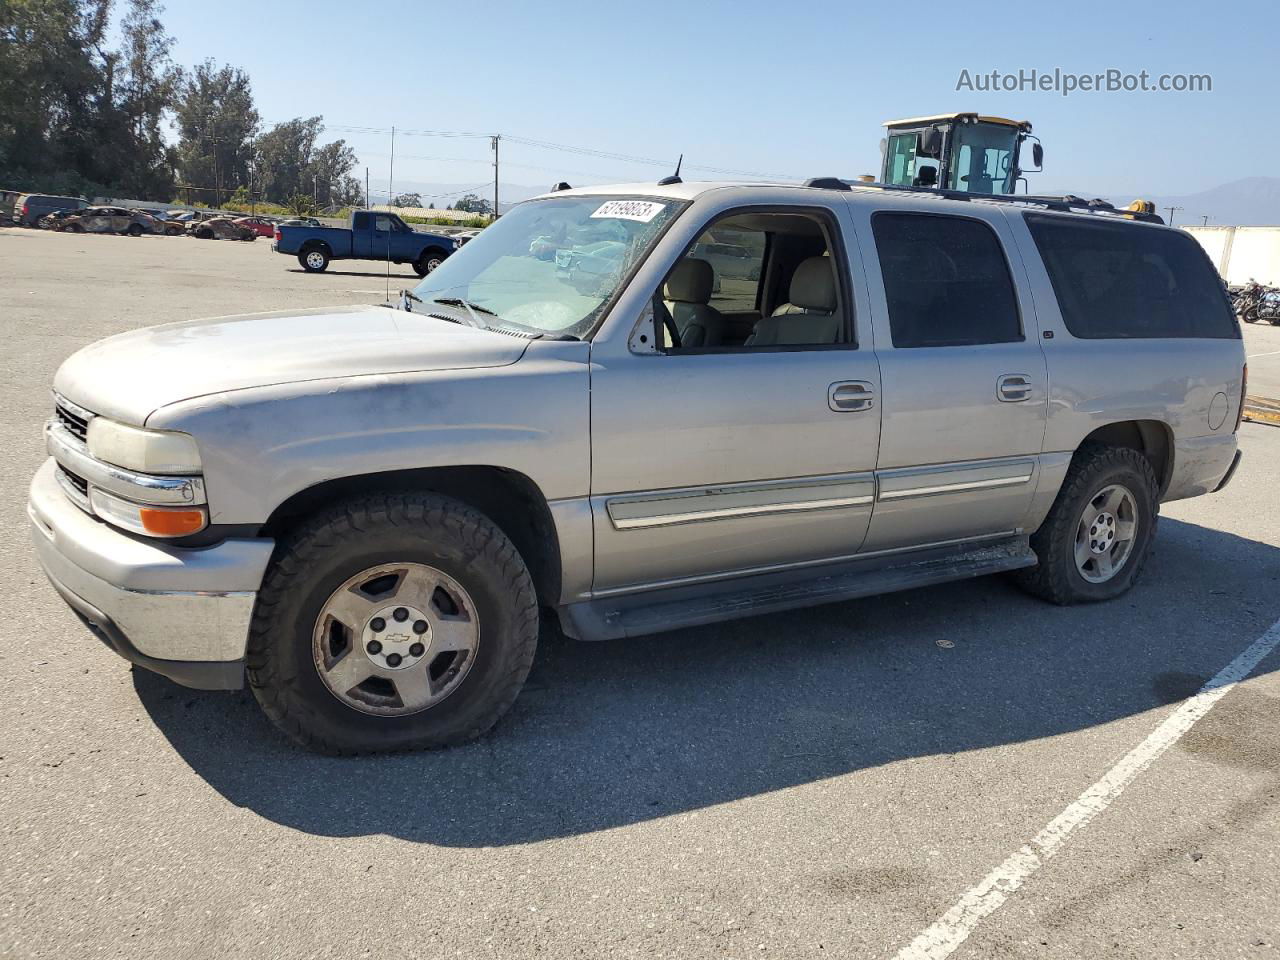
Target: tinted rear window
{"x": 946, "y": 281}
{"x": 1118, "y": 280}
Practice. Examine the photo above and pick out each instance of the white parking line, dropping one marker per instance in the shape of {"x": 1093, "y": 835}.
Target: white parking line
{"x": 944, "y": 935}
{"x": 1269, "y": 353}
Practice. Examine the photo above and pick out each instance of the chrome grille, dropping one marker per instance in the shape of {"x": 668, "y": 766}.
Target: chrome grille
{"x": 79, "y": 482}
{"x": 74, "y": 422}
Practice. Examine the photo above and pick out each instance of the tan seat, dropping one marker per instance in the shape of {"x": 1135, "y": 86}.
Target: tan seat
{"x": 810, "y": 315}
{"x": 687, "y": 293}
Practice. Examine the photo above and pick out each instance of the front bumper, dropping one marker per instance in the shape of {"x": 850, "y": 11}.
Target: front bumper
{"x": 181, "y": 612}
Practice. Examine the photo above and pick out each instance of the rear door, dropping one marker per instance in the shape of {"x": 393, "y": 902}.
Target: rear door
{"x": 964, "y": 377}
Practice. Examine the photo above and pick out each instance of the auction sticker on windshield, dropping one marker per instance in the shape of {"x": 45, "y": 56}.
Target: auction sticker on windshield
{"x": 641, "y": 210}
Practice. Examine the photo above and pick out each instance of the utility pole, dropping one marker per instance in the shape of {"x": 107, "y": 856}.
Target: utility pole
{"x": 494, "y": 143}
{"x": 1172, "y": 211}
{"x": 1205, "y": 218}
{"x": 391, "y": 180}
{"x": 366, "y": 188}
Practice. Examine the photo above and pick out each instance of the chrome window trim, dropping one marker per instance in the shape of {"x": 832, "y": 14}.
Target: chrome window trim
{"x": 144, "y": 488}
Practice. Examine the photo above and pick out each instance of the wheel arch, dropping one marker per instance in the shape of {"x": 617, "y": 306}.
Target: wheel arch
{"x": 1152, "y": 438}
{"x": 507, "y": 497}
{"x": 316, "y": 244}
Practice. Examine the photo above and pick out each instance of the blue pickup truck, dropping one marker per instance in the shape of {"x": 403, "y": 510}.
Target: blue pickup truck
{"x": 371, "y": 236}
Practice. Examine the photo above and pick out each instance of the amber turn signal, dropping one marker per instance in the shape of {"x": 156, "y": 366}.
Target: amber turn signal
{"x": 171, "y": 523}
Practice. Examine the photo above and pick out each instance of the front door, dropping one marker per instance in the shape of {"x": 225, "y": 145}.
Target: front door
{"x": 964, "y": 378}
{"x": 756, "y": 448}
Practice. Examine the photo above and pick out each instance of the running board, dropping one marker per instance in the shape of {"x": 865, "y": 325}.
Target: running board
{"x": 671, "y": 608}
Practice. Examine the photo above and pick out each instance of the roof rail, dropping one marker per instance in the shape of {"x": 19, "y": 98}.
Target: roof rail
{"x": 1066, "y": 203}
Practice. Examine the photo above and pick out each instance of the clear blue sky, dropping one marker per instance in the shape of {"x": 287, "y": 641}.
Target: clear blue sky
{"x": 797, "y": 89}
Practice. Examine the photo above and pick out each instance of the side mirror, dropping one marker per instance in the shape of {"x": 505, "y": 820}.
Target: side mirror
{"x": 929, "y": 142}
{"x": 1037, "y": 155}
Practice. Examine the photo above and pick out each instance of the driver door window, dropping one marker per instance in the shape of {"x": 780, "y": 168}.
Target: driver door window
{"x": 755, "y": 281}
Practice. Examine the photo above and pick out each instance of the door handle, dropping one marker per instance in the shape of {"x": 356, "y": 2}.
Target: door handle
{"x": 1013, "y": 387}
{"x": 846, "y": 396}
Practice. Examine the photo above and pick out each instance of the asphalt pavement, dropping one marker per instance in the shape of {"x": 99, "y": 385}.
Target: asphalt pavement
{"x": 824, "y": 783}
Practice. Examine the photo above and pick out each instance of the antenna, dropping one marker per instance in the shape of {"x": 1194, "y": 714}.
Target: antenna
{"x": 675, "y": 177}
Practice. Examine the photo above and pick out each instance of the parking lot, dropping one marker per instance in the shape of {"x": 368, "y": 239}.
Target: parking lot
{"x": 829, "y": 782}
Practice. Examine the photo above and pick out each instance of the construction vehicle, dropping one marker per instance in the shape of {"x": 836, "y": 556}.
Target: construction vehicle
{"x": 963, "y": 152}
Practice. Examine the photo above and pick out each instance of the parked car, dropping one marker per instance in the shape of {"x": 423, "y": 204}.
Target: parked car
{"x": 220, "y": 228}
{"x": 371, "y": 236}
{"x": 364, "y": 508}
{"x": 299, "y": 222}
{"x": 119, "y": 220}
{"x": 30, "y": 207}
{"x": 54, "y": 221}
{"x": 8, "y": 198}
{"x": 260, "y": 226}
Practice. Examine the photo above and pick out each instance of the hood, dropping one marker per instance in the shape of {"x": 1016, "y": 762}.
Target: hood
{"x": 129, "y": 376}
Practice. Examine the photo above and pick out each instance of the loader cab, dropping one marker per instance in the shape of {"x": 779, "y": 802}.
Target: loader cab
{"x": 959, "y": 151}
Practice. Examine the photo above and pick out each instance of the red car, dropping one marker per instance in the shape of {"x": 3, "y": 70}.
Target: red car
{"x": 263, "y": 228}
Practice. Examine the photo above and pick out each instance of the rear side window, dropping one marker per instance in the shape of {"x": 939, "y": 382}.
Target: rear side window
{"x": 946, "y": 281}
{"x": 1125, "y": 281}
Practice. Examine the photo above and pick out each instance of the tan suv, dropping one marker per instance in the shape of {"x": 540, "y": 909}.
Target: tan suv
{"x": 363, "y": 509}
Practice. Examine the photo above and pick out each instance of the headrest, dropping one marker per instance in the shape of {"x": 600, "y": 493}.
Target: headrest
{"x": 813, "y": 286}
{"x": 689, "y": 282}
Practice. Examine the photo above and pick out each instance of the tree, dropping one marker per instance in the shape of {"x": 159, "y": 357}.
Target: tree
{"x": 407, "y": 200}
{"x": 290, "y": 163}
{"x": 473, "y": 204}
{"x": 431, "y": 206}
{"x": 147, "y": 86}
{"x": 216, "y": 122}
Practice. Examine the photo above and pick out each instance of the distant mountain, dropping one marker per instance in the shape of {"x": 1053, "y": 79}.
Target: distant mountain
{"x": 1251, "y": 202}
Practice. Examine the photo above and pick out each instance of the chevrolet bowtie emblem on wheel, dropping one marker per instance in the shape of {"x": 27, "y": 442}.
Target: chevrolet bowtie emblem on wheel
{"x": 397, "y": 638}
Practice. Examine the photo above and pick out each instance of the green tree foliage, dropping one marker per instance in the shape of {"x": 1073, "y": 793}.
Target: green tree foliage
{"x": 216, "y": 122}
{"x": 81, "y": 116}
{"x": 75, "y": 115}
{"x": 473, "y": 204}
{"x": 292, "y": 164}
{"x": 407, "y": 200}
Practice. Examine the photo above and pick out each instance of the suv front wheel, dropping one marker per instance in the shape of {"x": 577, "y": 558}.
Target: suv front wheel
{"x": 1095, "y": 541}
{"x": 392, "y": 622}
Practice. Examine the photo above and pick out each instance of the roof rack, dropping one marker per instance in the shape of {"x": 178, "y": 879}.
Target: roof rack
{"x": 1066, "y": 203}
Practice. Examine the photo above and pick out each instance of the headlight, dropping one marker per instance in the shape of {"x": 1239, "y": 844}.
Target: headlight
{"x": 147, "y": 451}
{"x": 147, "y": 520}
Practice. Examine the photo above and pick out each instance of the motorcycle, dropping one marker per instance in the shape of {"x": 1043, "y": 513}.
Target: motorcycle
{"x": 1255, "y": 302}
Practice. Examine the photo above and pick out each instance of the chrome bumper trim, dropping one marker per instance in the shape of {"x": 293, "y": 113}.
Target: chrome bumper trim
{"x": 73, "y": 454}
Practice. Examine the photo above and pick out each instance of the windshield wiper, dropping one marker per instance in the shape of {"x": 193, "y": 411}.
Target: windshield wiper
{"x": 471, "y": 308}
{"x": 405, "y": 297}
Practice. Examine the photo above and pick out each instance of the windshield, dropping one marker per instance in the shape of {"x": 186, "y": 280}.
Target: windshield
{"x": 548, "y": 266}
{"x": 983, "y": 158}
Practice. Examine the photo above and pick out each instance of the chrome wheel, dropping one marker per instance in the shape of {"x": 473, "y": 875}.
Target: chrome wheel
{"x": 396, "y": 639}
{"x": 315, "y": 260}
{"x": 1106, "y": 533}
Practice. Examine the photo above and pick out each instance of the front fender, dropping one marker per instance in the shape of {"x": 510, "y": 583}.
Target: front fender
{"x": 261, "y": 446}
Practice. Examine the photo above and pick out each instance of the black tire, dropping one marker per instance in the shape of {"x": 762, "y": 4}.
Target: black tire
{"x": 74, "y": 228}
{"x": 317, "y": 557}
{"x": 314, "y": 259}
{"x": 1057, "y": 578}
{"x": 429, "y": 260}
{"x": 135, "y": 230}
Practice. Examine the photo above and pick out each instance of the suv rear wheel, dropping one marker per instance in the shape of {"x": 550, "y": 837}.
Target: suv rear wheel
{"x": 1096, "y": 539}
{"x": 392, "y": 622}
